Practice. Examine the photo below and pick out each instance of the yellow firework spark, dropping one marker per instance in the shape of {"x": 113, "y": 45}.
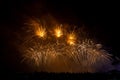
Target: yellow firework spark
{"x": 58, "y": 31}
{"x": 40, "y": 32}
{"x": 71, "y": 38}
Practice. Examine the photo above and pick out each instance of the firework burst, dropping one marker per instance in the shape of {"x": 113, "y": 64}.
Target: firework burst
{"x": 71, "y": 38}
{"x": 61, "y": 51}
{"x": 58, "y": 31}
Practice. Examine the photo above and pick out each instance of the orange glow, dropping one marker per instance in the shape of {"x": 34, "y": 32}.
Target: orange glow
{"x": 71, "y": 39}
{"x": 58, "y": 32}
{"x": 41, "y": 32}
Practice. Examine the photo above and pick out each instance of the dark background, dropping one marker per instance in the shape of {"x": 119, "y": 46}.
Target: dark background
{"x": 101, "y": 18}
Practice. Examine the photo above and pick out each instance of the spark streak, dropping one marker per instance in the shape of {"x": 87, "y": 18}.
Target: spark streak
{"x": 58, "y": 31}
{"x": 71, "y": 39}
{"x": 40, "y": 32}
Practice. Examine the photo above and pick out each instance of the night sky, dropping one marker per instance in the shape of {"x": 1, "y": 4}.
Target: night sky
{"x": 100, "y": 18}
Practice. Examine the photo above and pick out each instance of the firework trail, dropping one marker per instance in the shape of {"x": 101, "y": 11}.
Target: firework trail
{"x": 58, "y": 50}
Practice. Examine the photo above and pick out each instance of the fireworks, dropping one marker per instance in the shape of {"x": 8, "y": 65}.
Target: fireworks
{"x": 57, "y": 55}
{"x": 71, "y": 39}
{"x": 41, "y": 32}
{"x": 58, "y": 32}
{"x": 38, "y": 29}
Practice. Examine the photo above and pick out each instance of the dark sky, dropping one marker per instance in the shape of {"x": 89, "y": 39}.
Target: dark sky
{"x": 102, "y": 18}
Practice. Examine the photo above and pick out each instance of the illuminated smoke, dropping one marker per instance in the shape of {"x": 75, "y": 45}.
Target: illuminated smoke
{"x": 68, "y": 53}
